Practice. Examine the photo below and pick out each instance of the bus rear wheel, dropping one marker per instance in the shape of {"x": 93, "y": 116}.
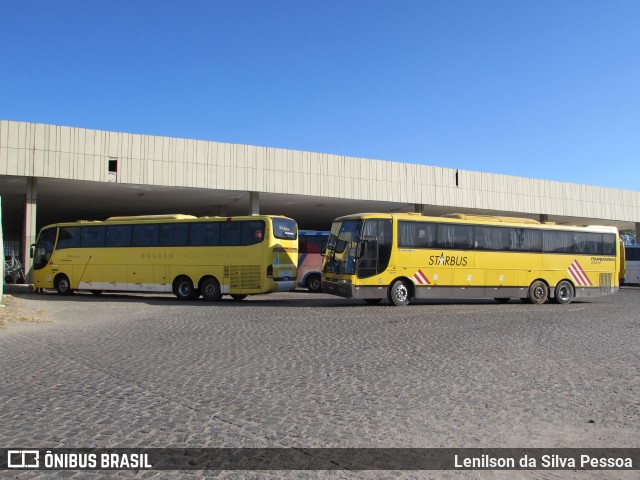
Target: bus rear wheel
{"x": 183, "y": 289}
{"x": 210, "y": 288}
{"x": 399, "y": 293}
{"x": 314, "y": 284}
{"x": 538, "y": 292}
{"x": 564, "y": 292}
{"x": 62, "y": 284}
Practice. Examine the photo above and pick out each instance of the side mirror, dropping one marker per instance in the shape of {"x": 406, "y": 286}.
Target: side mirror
{"x": 32, "y": 250}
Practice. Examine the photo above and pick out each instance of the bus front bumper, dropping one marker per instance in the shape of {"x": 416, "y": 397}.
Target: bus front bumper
{"x": 285, "y": 285}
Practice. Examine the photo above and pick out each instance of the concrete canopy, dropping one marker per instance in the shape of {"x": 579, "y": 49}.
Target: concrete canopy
{"x": 74, "y": 173}
{"x": 70, "y": 200}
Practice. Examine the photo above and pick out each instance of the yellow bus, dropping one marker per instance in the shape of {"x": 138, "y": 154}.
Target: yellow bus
{"x": 406, "y": 255}
{"x": 189, "y": 256}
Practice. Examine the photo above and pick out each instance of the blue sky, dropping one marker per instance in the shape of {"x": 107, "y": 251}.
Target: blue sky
{"x": 542, "y": 89}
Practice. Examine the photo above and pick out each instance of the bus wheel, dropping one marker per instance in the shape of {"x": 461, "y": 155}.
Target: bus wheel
{"x": 538, "y": 292}
{"x": 372, "y": 301}
{"x": 564, "y": 292}
{"x": 183, "y": 289}
{"x": 502, "y": 300}
{"x": 210, "y": 288}
{"x": 237, "y": 297}
{"x": 399, "y": 293}
{"x": 314, "y": 284}
{"x": 62, "y": 284}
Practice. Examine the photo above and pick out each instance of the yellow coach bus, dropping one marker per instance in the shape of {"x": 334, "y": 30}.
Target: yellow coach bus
{"x": 183, "y": 254}
{"x": 403, "y": 256}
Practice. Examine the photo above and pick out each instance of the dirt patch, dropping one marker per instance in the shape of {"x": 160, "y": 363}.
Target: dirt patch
{"x": 15, "y": 310}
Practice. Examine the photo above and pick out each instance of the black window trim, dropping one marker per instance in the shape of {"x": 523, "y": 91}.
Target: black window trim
{"x": 474, "y": 248}
{"x": 158, "y": 244}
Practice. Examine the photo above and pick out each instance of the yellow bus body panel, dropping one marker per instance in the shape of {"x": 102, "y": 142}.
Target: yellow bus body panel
{"x": 487, "y": 271}
{"x": 238, "y": 269}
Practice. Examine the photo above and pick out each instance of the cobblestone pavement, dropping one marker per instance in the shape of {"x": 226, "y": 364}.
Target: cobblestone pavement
{"x": 309, "y": 370}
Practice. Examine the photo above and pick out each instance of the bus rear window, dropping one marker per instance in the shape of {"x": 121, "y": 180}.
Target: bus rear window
{"x": 285, "y": 229}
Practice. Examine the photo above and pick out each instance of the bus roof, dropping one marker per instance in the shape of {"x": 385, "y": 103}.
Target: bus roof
{"x": 172, "y": 216}
{"x": 159, "y": 219}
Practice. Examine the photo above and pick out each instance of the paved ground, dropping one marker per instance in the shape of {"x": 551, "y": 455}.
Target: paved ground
{"x": 317, "y": 371}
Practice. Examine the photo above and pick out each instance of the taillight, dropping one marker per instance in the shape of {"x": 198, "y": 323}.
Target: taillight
{"x": 270, "y": 271}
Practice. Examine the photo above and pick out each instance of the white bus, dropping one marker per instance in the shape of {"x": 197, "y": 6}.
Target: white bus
{"x": 632, "y": 270}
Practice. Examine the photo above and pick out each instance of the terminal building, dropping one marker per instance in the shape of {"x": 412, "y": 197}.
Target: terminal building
{"x": 51, "y": 173}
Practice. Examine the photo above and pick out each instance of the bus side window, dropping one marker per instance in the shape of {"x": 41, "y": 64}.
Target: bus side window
{"x": 588, "y": 243}
{"x": 202, "y": 234}
{"x": 92, "y": 236}
{"x": 145, "y": 235}
{"x": 608, "y": 244}
{"x": 252, "y": 232}
{"x": 69, "y": 237}
{"x": 118, "y": 236}
{"x": 455, "y": 236}
{"x": 525, "y": 240}
{"x": 557, "y": 242}
{"x": 492, "y": 238}
{"x": 176, "y": 235}
{"x": 231, "y": 234}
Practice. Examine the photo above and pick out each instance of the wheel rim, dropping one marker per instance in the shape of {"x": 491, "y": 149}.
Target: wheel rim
{"x": 401, "y": 293}
{"x": 63, "y": 285}
{"x": 184, "y": 288}
{"x": 538, "y": 292}
{"x": 314, "y": 284}
{"x": 210, "y": 290}
{"x": 564, "y": 293}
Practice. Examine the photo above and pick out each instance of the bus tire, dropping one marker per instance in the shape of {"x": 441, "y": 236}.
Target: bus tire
{"x": 314, "y": 283}
{"x": 399, "y": 293}
{"x": 210, "y": 289}
{"x": 237, "y": 297}
{"x": 183, "y": 289}
{"x": 538, "y": 292}
{"x": 62, "y": 284}
{"x": 564, "y": 292}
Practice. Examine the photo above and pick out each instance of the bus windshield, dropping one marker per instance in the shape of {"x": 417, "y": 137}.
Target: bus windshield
{"x": 44, "y": 248}
{"x": 341, "y": 248}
